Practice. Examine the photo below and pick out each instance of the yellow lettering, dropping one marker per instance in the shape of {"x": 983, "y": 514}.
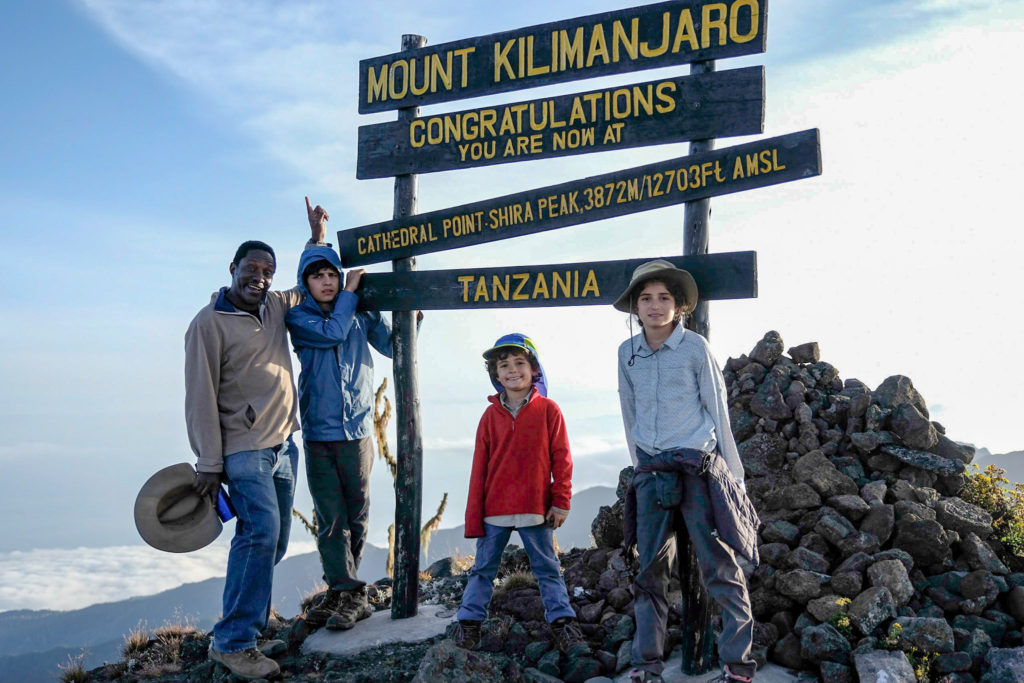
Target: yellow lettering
{"x": 531, "y": 69}
{"x": 361, "y": 245}
{"x": 481, "y": 290}
{"x": 393, "y": 91}
{"x": 647, "y": 51}
{"x": 590, "y": 285}
{"x": 619, "y": 38}
{"x": 570, "y": 52}
{"x": 416, "y": 127}
{"x": 668, "y": 102}
{"x": 540, "y": 286}
{"x": 501, "y": 60}
{"x": 464, "y": 53}
{"x": 685, "y": 32}
{"x": 376, "y": 84}
{"x": 521, "y": 280}
{"x": 412, "y": 77}
{"x": 734, "y": 20}
{"x": 442, "y": 72}
{"x": 707, "y": 23}
{"x": 498, "y": 286}
{"x": 557, "y": 282}
{"x": 465, "y": 280}
{"x": 598, "y": 45}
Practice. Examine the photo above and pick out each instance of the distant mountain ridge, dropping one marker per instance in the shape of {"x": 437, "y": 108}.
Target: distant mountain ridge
{"x": 1012, "y": 462}
{"x": 35, "y": 641}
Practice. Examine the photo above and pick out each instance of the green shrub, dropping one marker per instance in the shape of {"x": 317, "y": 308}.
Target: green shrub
{"x": 989, "y": 490}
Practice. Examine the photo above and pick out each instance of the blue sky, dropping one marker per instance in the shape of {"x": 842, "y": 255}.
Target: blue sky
{"x": 143, "y": 141}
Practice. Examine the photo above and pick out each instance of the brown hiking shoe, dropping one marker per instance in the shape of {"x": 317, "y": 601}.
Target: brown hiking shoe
{"x": 249, "y": 663}
{"x": 569, "y": 638}
{"x": 324, "y": 607}
{"x": 467, "y": 634}
{"x": 354, "y": 607}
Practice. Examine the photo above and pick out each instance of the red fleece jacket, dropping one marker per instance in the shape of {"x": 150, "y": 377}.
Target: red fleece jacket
{"x": 521, "y": 465}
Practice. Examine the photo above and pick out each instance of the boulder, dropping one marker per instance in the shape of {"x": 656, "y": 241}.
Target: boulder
{"x": 923, "y": 460}
{"x": 963, "y": 517}
{"x": 913, "y": 428}
{"x": 927, "y": 635}
{"x": 816, "y": 469}
{"x": 446, "y": 662}
{"x": 897, "y": 390}
{"x": 874, "y": 666}
{"x": 823, "y": 643}
{"x": 1004, "y": 666}
{"x": 893, "y": 575}
{"x": 872, "y": 607}
{"x": 768, "y": 350}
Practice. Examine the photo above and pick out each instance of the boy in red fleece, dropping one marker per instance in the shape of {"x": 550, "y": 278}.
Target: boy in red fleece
{"x": 521, "y": 480}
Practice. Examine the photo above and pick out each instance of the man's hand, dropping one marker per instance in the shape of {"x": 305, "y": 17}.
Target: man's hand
{"x": 206, "y": 484}
{"x": 317, "y": 221}
{"x": 352, "y": 278}
{"x": 555, "y": 517}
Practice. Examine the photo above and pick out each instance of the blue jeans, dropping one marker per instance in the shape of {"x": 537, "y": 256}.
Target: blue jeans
{"x": 540, "y": 548}
{"x": 261, "y": 485}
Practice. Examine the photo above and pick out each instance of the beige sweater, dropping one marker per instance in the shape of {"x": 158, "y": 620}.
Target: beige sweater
{"x": 239, "y": 392}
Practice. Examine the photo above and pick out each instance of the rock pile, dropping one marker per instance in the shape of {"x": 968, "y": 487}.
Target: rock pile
{"x": 865, "y": 545}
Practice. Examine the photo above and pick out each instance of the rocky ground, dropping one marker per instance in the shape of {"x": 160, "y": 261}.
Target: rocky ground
{"x": 870, "y": 560}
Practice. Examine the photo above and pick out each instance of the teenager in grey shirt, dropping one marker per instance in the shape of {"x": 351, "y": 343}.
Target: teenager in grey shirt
{"x": 674, "y": 407}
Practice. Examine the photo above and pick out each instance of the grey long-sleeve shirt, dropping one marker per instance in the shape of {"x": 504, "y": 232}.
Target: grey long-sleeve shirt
{"x": 675, "y": 398}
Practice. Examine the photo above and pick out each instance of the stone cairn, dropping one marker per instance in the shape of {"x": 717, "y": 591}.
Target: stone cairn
{"x": 857, "y": 492}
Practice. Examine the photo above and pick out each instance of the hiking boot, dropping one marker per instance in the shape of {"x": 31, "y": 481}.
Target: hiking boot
{"x": 569, "y": 638}
{"x": 467, "y": 634}
{"x": 324, "y": 607}
{"x": 354, "y": 607}
{"x": 249, "y": 663}
{"x": 727, "y": 676}
{"x": 642, "y": 676}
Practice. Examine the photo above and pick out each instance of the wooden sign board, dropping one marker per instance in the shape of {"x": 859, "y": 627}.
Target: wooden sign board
{"x": 719, "y": 276}
{"x": 710, "y": 105}
{"x": 645, "y": 37}
{"x": 730, "y": 169}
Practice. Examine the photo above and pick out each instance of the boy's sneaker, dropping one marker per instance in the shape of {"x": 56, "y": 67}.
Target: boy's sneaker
{"x": 249, "y": 663}
{"x": 467, "y": 634}
{"x": 727, "y": 676}
{"x": 643, "y": 676}
{"x": 324, "y": 608}
{"x": 569, "y": 638}
{"x": 354, "y": 607}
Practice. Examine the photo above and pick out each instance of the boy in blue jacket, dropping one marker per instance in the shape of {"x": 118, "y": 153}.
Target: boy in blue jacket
{"x": 332, "y": 342}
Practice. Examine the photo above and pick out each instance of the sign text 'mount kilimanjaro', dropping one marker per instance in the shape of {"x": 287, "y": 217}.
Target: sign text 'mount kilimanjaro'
{"x": 666, "y": 183}
{"x": 718, "y": 276}
{"x": 662, "y": 34}
{"x": 697, "y": 107}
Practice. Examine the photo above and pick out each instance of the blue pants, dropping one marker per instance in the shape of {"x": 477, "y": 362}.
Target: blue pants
{"x": 261, "y": 485}
{"x": 540, "y": 548}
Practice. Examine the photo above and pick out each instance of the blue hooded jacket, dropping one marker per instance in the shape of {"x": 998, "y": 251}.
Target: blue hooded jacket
{"x": 336, "y": 380}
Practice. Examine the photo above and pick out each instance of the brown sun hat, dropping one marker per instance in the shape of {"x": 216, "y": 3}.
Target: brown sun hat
{"x": 660, "y": 269}
{"x": 171, "y": 516}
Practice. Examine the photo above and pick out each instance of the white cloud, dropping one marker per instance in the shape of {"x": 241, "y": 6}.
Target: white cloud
{"x": 68, "y": 579}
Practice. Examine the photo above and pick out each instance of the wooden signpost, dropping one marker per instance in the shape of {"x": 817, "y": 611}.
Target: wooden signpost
{"x": 718, "y": 276}
{"x": 662, "y": 34}
{"x": 699, "y": 108}
{"x": 656, "y": 112}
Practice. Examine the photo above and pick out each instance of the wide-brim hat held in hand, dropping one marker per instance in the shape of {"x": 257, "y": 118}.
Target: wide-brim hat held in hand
{"x": 659, "y": 269}
{"x": 520, "y": 341}
{"x": 170, "y": 515}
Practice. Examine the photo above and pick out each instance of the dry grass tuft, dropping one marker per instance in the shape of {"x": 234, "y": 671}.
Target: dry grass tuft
{"x": 73, "y": 671}
{"x": 136, "y": 642}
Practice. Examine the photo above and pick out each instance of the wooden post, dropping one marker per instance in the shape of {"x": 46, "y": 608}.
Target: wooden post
{"x": 696, "y": 216}
{"x": 409, "y": 481}
{"x": 698, "y": 641}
